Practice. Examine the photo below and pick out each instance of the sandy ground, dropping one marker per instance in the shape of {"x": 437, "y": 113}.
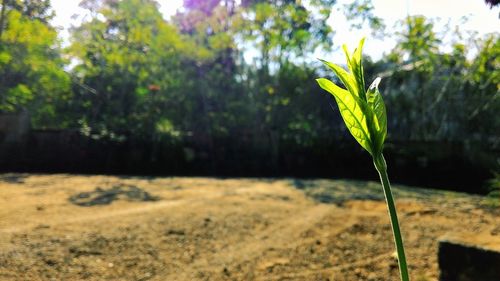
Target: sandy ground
{"x": 73, "y": 227}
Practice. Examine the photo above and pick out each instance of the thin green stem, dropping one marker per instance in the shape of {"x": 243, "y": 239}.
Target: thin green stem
{"x": 381, "y": 167}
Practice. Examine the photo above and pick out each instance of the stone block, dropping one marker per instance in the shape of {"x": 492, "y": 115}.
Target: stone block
{"x": 469, "y": 258}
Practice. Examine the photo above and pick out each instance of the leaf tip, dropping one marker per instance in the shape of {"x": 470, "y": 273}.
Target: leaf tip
{"x": 346, "y": 51}
{"x": 320, "y": 81}
{"x": 362, "y": 41}
{"x": 375, "y": 83}
{"x": 323, "y": 61}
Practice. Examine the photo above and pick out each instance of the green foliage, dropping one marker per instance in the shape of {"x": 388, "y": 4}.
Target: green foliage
{"x": 282, "y": 30}
{"x": 131, "y": 70}
{"x": 31, "y": 74}
{"x": 360, "y": 12}
{"x": 245, "y": 67}
{"x": 363, "y": 112}
{"x": 438, "y": 95}
{"x": 129, "y": 45}
{"x": 421, "y": 41}
{"x": 493, "y": 185}
{"x": 32, "y": 9}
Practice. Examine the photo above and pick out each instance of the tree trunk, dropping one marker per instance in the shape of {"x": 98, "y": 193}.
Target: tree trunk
{"x": 2, "y": 18}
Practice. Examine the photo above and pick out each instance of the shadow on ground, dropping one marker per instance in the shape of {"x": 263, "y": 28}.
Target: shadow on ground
{"x": 13, "y": 178}
{"x": 102, "y": 196}
{"x": 339, "y": 191}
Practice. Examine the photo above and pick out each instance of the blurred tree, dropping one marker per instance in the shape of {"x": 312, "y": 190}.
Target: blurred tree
{"x": 417, "y": 48}
{"x": 32, "y": 9}
{"x": 130, "y": 56}
{"x": 492, "y": 3}
{"x": 483, "y": 91}
{"x": 259, "y": 97}
{"x": 286, "y": 30}
{"x": 437, "y": 95}
{"x": 220, "y": 108}
{"x": 281, "y": 36}
{"x": 31, "y": 73}
{"x": 361, "y": 12}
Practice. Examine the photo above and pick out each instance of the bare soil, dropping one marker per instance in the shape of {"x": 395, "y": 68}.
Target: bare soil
{"x": 74, "y": 227}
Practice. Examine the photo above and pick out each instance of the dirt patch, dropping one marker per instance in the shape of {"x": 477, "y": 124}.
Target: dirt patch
{"x": 214, "y": 229}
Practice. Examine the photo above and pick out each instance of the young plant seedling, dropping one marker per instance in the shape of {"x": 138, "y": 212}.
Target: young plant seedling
{"x": 365, "y": 116}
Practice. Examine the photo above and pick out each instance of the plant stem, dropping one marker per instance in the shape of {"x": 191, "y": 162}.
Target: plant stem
{"x": 381, "y": 167}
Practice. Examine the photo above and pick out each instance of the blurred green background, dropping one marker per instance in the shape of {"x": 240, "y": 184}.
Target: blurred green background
{"x": 227, "y": 88}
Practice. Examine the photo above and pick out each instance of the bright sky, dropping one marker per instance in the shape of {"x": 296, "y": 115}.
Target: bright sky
{"x": 480, "y": 18}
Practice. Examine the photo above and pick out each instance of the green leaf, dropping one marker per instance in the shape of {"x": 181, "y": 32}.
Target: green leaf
{"x": 377, "y": 106}
{"x": 352, "y": 110}
{"x": 355, "y": 65}
{"x": 363, "y": 112}
{"x": 347, "y": 78}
